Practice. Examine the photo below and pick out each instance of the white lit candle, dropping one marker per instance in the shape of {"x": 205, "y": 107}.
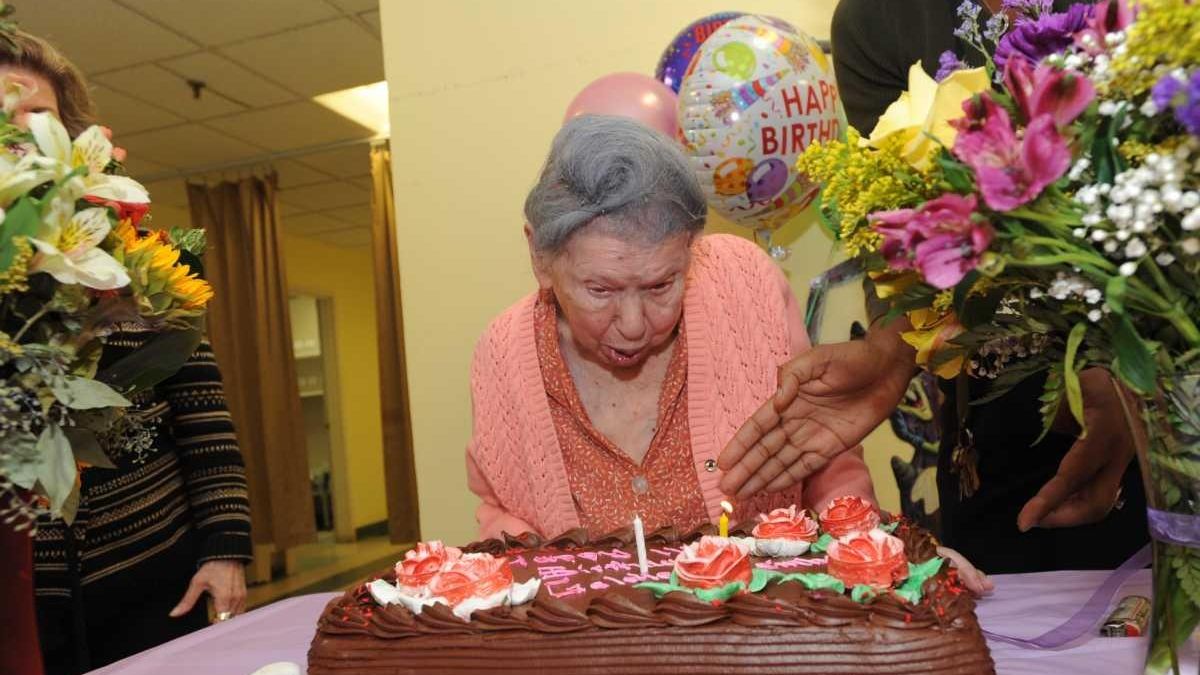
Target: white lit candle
{"x": 639, "y": 536}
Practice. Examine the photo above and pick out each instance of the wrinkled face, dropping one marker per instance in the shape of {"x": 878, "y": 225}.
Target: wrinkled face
{"x": 621, "y": 300}
{"x": 42, "y": 99}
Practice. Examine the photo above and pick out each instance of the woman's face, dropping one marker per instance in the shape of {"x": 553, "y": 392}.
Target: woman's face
{"x": 42, "y": 98}
{"x": 621, "y": 300}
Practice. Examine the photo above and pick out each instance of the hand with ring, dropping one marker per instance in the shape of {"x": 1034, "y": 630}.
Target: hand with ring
{"x": 225, "y": 581}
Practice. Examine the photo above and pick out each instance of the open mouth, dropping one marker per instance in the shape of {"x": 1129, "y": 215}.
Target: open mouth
{"x": 623, "y": 357}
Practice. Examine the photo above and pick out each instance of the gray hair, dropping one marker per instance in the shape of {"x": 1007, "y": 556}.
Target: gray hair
{"x": 634, "y": 178}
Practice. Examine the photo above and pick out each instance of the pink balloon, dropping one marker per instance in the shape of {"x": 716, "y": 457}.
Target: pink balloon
{"x": 634, "y": 95}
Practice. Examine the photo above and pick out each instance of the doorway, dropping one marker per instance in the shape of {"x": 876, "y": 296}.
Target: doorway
{"x": 315, "y": 350}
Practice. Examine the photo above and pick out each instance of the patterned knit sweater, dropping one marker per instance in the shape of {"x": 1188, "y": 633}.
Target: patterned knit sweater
{"x": 180, "y": 469}
{"x": 743, "y": 322}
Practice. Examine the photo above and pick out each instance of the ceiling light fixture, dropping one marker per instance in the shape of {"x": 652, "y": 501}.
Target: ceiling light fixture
{"x": 366, "y": 105}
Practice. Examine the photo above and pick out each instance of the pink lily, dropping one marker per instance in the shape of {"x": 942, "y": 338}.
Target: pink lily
{"x": 1046, "y": 90}
{"x": 1010, "y": 170}
{"x": 941, "y": 238}
{"x": 1109, "y": 16}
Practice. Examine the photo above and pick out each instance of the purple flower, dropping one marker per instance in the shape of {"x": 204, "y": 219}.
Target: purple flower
{"x": 1032, "y": 7}
{"x": 941, "y": 239}
{"x": 1180, "y": 93}
{"x": 1011, "y": 171}
{"x": 948, "y": 62}
{"x": 1035, "y": 39}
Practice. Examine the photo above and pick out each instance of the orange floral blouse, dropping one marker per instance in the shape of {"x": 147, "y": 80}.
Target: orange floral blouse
{"x": 608, "y": 487}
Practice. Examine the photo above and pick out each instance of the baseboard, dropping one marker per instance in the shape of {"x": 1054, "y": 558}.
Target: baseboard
{"x": 378, "y": 529}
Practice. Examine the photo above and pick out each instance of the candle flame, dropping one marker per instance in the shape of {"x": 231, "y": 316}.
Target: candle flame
{"x": 726, "y": 506}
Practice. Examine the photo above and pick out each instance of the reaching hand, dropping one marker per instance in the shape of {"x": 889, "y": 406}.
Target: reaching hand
{"x": 224, "y": 580}
{"x": 829, "y": 399}
{"x": 974, "y": 579}
{"x": 1088, "y": 482}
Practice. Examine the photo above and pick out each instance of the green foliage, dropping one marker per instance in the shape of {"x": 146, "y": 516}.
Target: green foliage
{"x": 1134, "y": 362}
{"x": 21, "y": 220}
{"x": 1051, "y": 398}
{"x": 1071, "y": 370}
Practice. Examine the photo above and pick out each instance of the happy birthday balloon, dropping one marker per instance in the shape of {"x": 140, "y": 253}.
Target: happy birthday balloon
{"x": 676, "y": 57}
{"x": 757, "y": 94}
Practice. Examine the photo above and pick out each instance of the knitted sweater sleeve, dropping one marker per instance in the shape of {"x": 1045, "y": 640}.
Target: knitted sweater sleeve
{"x": 213, "y": 470}
{"x": 488, "y": 427}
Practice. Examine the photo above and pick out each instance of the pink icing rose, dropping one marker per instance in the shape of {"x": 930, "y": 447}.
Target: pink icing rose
{"x": 790, "y": 523}
{"x": 873, "y": 558}
{"x": 474, "y": 575}
{"x": 848, "y": 515}
{"x": 713, "y": 562}
{"x": 424, "y": 562}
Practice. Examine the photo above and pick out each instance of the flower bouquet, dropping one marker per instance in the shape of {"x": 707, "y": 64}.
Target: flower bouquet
{"x": 74, "y": 266}
{"x": 1041, "y": 214}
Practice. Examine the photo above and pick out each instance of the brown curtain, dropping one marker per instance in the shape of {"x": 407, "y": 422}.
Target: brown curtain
{"x": 400, "y": 473}
{"x": 252, "y": 337}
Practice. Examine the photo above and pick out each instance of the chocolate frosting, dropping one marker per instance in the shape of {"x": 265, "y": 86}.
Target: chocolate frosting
{"x": 601, "y": 606}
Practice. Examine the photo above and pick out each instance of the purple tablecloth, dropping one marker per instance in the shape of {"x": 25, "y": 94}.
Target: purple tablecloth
{"x": 1024, "y": 605}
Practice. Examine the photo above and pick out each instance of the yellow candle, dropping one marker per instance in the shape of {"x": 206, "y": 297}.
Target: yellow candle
{"x": 723, "y": 522}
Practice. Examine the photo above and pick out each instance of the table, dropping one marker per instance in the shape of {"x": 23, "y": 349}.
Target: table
{"x": 1023, "y": 605}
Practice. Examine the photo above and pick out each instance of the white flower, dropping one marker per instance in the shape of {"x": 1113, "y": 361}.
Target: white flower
{"x": 1128, "y": 269}
{"x": 1035, "y": 293}
{"x": 1148, "y": 108}
{"x": 90, "y": 151}
{"x": 1190, "y": 200}
{"x": 1080, "y": 232}
{"x": 1136, "y": 248}
{"x": 1095, "y": 315}
{"x": 69, "y": 252}
{"x": 1092, "y": 219}
{"x": 1111, "y": 246}
{"x": 1190, "y": 246}
{"x": 1191, "y": 221}
{"x": 1164, "y": 259}
{"x": 1172, "y": 198}
{"x": 1093, "y": 295}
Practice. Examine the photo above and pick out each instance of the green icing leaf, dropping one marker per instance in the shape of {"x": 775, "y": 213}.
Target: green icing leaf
{"x": 820, "y": 545}
{"x": 863, "y": 594}
{"x": 814, "y": 581}
{"x": 918, "y": 574}
{"x": 760, "y": 578}
{"x": 890, "y": 527}
{"x": 659, "y": 588}
{"x": 719, "y": 594}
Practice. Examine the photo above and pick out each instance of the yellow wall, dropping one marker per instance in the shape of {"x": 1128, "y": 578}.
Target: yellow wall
{"x": 478, "y": 89}
{"x": 345, "y": 275}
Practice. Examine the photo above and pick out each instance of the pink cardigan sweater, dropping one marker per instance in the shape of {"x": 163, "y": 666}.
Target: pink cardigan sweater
{"x": 742, "y": 321}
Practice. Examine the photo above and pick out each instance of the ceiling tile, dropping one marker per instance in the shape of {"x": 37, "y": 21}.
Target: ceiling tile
{"x": 98, "y": 37}
{"x": 137, "y": 166}
{"x": 126, "y": 115}
{"x": 188, "y": 145}
{"x": 217, "y": 22}
{"x": 356, "y": 237}
{"x": 310, "y": 223}
{"x": 324, "y": 196}
{"x": 363, "y": 182}
{"x": 358, "y": 216}
{"x": 294, "y": 174}
{"x": 149, "y": 82}
{"x": 316, "y": 59}
{"x": 172, "y": 192}
{"x": 229, "y": 79}
{"x": 372, "y": 20}
{"x": 290, "y": 126}
{"x": 347, "y": 162}
{"x": 357, "y": 6}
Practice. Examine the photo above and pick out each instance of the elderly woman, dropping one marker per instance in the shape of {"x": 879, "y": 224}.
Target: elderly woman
{"x": 611, "y": 390}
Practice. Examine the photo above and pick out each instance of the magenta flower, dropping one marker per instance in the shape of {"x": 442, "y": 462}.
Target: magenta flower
{"x": 1046, "y": 90}
{"x": 941, "y": 239}
{"x": 1108, "y": 16}
{"x": 1010, "y": 170}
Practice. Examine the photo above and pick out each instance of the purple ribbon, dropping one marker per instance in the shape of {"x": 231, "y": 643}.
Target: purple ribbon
{"x": 1174, "y": 528}
{"x": 1087, "y": 617}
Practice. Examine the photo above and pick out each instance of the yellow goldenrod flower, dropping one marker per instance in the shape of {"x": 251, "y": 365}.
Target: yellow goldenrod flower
{"x": 1163, "y": 38}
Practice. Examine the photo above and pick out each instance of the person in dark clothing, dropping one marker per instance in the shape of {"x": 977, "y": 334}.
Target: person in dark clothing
{"x": 171, "y": 521}
{"x": 1063, "y": 503}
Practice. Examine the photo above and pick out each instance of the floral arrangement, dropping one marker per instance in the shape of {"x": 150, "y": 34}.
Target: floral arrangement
{"x": 1041, "y": 214}
{"x": 436, "y": 574}
{"x": 73, "y": 267}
